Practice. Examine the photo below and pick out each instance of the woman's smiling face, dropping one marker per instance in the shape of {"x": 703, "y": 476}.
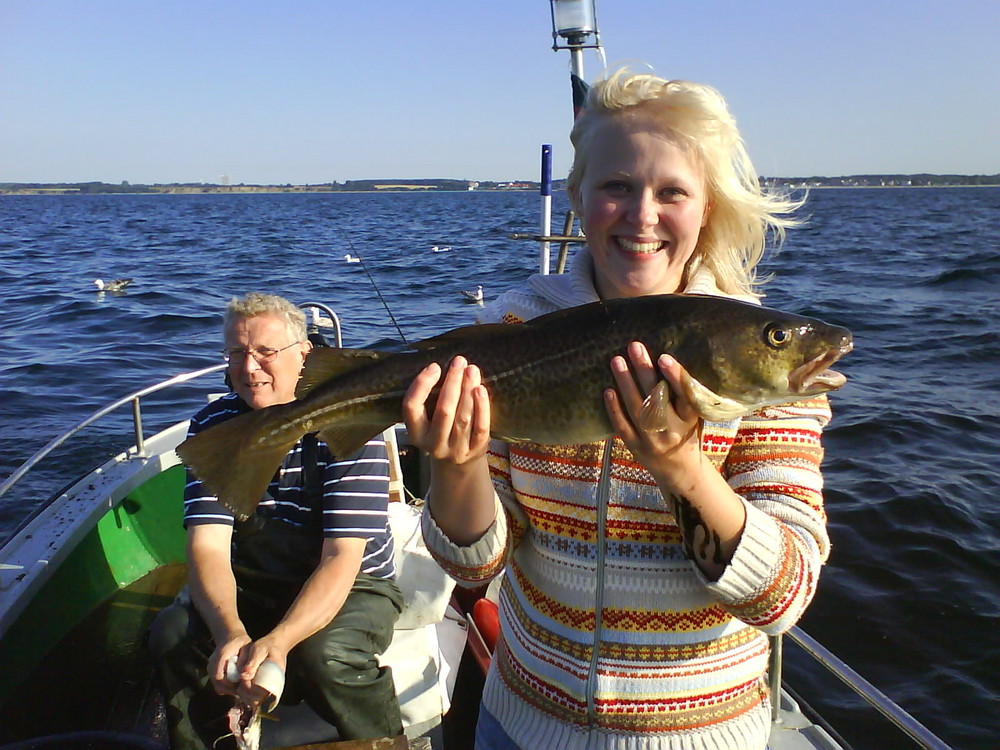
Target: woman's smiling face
{"x": 643, "y": 202}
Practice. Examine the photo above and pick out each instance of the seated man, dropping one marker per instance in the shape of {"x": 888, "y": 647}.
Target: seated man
{"x": 306, "y": 582}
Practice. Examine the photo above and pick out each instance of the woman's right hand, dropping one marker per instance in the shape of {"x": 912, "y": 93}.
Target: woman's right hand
{"x": 454, "y": 429}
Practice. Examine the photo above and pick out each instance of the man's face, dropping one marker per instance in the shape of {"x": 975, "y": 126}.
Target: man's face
{"x": 268, "y": 382}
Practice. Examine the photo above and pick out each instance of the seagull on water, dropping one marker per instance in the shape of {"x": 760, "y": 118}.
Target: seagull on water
{"x": 351, "y": 259}
{"x": 476, "y": 296}
{"x": 437, "y": 249}
{"x": 115, "y": 285}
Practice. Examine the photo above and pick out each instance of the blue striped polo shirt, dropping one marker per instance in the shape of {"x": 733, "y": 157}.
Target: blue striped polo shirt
{"x": 355, "y": 492}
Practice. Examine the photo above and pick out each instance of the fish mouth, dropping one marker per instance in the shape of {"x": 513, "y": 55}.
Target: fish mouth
{"x": 815, "y": 376}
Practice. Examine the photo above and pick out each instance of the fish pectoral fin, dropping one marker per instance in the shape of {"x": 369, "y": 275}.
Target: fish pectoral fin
{"x": 326, "y": 362}
{"x": 709, "y": 405}
{"x": 653, "y": 412}
{"x": 212, "y": 456}
{"x": 347, "y": 440}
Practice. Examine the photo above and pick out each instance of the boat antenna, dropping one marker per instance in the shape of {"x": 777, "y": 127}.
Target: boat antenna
{"x": 356, "y": 254}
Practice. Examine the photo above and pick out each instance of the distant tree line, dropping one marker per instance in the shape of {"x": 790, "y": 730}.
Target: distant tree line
{"x": 868, "y": 180}
{"x": 888, "y": 180}
{"x": 74, "y": 187}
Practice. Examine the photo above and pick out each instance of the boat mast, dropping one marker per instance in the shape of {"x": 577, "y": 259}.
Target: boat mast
{"x": 574, "y": 22}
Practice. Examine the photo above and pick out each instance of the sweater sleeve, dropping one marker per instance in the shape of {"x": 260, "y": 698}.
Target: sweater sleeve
{"x": 475, "y": 564}
{"x": 481, "y": 561}
{"x": 774, "y": 465}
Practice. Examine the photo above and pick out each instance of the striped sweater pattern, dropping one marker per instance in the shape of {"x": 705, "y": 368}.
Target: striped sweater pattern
{"x": 610, "y": 636}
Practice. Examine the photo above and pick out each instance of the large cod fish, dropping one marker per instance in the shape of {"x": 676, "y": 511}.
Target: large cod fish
{"x": 545, "y": 379}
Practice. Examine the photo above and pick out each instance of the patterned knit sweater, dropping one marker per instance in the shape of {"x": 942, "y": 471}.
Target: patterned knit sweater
{"x": 610, "y": 636}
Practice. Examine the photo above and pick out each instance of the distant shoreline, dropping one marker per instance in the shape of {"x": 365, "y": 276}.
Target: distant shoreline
{"x": 260, "y": 191}
{"x": 448, "y": 185}
{"x": 887, "y": 187}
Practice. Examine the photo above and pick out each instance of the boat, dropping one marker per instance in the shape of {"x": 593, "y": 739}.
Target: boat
{"x": 82, "y": 577}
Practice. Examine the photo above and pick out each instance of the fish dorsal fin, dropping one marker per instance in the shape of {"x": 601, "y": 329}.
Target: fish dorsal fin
{"x": 467, "y": 333}
{"x": 325, "y": 362}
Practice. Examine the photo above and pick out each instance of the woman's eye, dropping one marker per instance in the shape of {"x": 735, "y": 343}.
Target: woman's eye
{"x": 672, "y": 194}
{"x": 616, "y": 186}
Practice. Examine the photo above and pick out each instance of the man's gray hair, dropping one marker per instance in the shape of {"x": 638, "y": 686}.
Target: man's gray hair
{"x": 254, "y": 304}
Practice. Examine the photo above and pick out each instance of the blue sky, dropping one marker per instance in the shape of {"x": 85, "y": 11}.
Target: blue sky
{"x": 310, "y": 91}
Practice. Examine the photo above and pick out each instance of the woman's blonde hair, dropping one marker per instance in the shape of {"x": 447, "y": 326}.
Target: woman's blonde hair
{"x": 253, "y": 304}
{"x": 696, "y": 118}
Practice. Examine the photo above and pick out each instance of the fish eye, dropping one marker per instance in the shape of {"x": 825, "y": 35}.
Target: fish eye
{"x": 777, "y": 336}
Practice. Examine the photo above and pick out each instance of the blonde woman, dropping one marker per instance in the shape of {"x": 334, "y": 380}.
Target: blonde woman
{"x": 643, "y": 573}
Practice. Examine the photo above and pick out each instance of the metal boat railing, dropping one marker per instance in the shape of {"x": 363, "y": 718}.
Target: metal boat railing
{"x": 133, "y": 398}
{"x": 334, "y": 320}
{"x": 882, "y": 703}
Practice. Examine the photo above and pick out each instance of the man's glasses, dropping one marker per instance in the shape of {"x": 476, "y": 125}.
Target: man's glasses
{"x": 262, "y": 354}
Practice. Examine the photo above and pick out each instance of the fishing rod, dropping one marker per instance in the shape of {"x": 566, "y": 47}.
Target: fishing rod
{"x": 364, "y": 266}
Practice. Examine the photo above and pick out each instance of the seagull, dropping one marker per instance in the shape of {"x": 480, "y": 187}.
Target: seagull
{"x": 437, "y": 249}
{"x": 115, "y": 285}
{"x": 476, "y": 296}
{"x": 351, "y": 259}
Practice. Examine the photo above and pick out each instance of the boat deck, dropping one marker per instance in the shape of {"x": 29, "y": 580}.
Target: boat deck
{"x": 80, "y": 673}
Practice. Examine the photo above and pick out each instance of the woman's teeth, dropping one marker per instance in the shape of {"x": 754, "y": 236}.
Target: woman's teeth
{"x": 641, "y": 248}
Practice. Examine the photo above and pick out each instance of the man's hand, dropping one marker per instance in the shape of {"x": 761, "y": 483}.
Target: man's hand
{"x": 223, "y": 665}
{"x": 254, "y": 655}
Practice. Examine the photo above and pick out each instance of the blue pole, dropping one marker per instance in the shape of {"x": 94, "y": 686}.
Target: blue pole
{"x": 546, "y": 170}
{"x": 546, "y": 193}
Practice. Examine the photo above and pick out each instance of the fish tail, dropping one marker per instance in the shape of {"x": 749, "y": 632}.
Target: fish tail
{"x": 236, "y": 459}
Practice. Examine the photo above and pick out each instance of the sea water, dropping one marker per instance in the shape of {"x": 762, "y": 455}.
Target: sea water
{"x": 911, "y": 594}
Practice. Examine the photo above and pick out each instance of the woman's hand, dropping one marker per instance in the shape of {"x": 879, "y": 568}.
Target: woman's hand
{"x": 668, "y": 454}
{"x": 454, "y": 429}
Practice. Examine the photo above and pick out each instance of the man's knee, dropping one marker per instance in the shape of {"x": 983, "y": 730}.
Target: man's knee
{"x": 179, "y": 645}
{"x": 325, "y": 655}
{"x": 169, "y": 629}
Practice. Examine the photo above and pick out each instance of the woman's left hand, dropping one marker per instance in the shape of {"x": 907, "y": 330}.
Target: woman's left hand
{"x": 672, "y": 452}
